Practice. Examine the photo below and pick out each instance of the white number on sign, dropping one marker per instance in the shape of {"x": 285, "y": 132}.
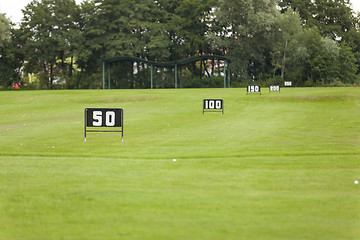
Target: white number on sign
{"x": 274, "y": 88}
{"x": 218, "y": 105}
{"x": 109, "y": 119}
{"x": 97, "y": 116}
{"x": 212, "y": 104}
{"x": 254, "y": 89}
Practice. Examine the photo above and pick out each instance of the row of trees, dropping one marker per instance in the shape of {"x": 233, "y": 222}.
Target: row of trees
{"x": 309, "y": 42}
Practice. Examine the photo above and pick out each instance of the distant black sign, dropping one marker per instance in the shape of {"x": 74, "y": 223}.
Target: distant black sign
{"x": 213, "y": 105}
{"x": 274, "y": 88}
{"x": 103, "y": 117}
{"x": 253, "y": 89}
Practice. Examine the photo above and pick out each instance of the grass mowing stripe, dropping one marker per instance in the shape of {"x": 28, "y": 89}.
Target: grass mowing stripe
{"x": 192, "y": 157}
{"x": 296, "y": 198}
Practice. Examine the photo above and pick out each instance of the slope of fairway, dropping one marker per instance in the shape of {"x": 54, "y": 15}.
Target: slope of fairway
{"x": 275, "y": 166}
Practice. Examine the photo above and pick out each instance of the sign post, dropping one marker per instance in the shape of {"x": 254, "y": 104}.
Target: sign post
{"x": 104, "y": 118}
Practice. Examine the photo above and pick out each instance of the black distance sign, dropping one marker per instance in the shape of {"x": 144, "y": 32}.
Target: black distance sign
{"x": 274, "y": 88}
{"x": 104, "y": 117}
{"x": 253, "y": 88}
{"x": 213, "y": 104}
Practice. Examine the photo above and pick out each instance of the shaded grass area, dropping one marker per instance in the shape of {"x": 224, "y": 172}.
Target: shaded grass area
{"x": 275, "y": 166}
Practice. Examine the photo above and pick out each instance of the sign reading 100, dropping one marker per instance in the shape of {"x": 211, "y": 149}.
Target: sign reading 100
{"x": 213, "y": 103}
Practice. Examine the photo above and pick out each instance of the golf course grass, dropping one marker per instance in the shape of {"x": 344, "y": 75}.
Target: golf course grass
{"x": 273, "y": 166}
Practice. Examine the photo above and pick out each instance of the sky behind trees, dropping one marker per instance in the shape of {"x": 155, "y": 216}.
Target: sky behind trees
{"x": 13, "y": 8}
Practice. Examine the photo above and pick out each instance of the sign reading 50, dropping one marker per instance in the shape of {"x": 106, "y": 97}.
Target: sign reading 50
{"x": 103, "y": 117}
{"x": 109, "y": 118}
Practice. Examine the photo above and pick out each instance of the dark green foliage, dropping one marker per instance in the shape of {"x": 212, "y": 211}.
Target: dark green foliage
{"x": 6, "y": 71}
{"x": 332, "y": 17}
{"x": 49, "y": 29}
{"x": 347, "y": 64}
{"x": 4, "y": 30}
{"x": 322, "y": 56}
{"x": 248, "y": 35}
{"x": 310, "y": 43}
{"x": 11, "y": 57}
{"x": 205, "y": 82}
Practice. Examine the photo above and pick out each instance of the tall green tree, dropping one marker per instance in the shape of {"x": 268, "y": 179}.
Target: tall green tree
{"x": 248, "y": 29}
{"x": 347, "y": 64}
{"x": 304, "y": 7}
{"x": 4, "y": 30}
{"x": 333, "y": 18}
{"x": 6, "y": 56}
{"x": 154, "y": 30}
{"x": 129, "y": 27}
{"x": 188, "y": 24}
{"x": 122, "y": 28}
{"x": 315, "y": 61}
{"x": 288, "y": 31}
{"x": 49, "y": 28}
{"x": 352, "y": 39}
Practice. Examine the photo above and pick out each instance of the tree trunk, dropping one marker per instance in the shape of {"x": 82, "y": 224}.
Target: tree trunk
{"x": 71, "y": 66}
{"x": 212, "y": 66}
{"x": 51, "y": 74}
{"x": 218, "y": 67}
{"x": 132, "y": 81}
{"x": 284, "y": 61}
{"x": 79, "y": 77}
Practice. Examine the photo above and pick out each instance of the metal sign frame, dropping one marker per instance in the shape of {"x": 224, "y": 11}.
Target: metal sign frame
{"x": 117, "y": 120}
{"x": 206, "y": 106}
{"x": 249, "y": 88}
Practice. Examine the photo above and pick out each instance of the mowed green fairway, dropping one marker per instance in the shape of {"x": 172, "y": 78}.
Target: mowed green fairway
{"x": 275, "y": 166}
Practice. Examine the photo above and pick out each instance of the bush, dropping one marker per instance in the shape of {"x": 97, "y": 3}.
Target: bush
{"x": 204, "y": 82}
